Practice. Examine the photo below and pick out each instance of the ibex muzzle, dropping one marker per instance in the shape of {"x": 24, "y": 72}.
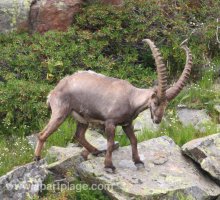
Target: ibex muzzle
{"x": 92, "y": 97}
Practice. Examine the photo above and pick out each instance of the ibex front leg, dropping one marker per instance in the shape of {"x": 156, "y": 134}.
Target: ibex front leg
{"x": 129, "y": 130}
{"x": 110, "y": 132}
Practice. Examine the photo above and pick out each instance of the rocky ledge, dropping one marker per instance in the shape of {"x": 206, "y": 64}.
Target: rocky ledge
{"x": 167, "y": 174}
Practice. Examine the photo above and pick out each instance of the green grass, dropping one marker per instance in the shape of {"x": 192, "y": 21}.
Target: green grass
{"x": 201, "y": 95}
{"x": 77, "y": 190}
{"x": 15, "y": 151}
{"x": 175, "y": 130}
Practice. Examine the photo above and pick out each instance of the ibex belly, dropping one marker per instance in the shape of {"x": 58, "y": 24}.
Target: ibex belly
{"x": 84, "y": 120}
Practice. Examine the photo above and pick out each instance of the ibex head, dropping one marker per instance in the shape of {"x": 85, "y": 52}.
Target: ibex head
{"x": 162, "y": 95}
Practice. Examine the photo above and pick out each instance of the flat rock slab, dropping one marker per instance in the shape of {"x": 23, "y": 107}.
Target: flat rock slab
{"x": 196, "y": 118}
{"x": 22, "y": 182}
{"x": 167, "y": 175}
{"x": 206, "y": 152}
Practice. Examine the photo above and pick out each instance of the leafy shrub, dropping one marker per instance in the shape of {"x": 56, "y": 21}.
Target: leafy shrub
{"x": 22, "y": 106}
{"x": 108, "y": 39}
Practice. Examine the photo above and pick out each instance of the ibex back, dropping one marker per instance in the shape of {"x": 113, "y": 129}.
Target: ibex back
{"x": 92, "y": 97}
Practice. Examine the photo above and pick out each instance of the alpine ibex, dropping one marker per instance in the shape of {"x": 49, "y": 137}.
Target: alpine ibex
{"x": 92, "y": 97}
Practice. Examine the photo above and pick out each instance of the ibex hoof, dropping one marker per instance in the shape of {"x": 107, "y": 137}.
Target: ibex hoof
{"x": 140, "y": 165}
{"x": 37, "y": 158}
{"x": 110, "y": 170}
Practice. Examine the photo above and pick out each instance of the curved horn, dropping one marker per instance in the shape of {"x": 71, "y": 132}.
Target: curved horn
{"x": 161, "y": 70}
{"x": 173, "y": 91}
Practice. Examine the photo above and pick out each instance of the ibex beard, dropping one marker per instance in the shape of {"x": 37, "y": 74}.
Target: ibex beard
{"x": 90, "y": 97}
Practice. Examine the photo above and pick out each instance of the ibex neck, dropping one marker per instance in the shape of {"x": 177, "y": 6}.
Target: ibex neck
{"x": 141, "y": 99}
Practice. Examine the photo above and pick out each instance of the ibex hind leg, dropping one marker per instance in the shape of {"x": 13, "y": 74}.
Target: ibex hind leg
{"x": 81, "y": 139}
{"x": 59, "y": 114}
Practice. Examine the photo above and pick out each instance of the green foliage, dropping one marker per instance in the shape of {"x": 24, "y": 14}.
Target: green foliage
{"x": 84, "y": 193}
{"x": 108, "y": 39}
{"x": 167, "y": 23}
{"x": 201, "y": 95}
{"x": 22, "y": 106}
{"x": 173, "y": 129}
{"x": 22, "y": 150}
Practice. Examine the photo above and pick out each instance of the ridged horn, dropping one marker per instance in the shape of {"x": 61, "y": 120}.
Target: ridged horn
{"x": 161, "y": 69}
{"x": 173, "y": 91}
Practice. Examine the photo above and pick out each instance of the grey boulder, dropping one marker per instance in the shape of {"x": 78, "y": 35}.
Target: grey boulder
{"x": 206, "y": 152}
{"x": 196, "y": 118}
{"x": 14, "y": 14}
{"x": 23, "y": 182}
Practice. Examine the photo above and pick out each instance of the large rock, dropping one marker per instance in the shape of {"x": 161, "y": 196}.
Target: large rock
{"x": 53, "y": 14}
{"x": 22, "y": 182}
{"x": 14, "y": 14}
{"x": 206, "y": 152}
{"x": 167, "y": 175}
{"x": 196, "y": 118}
